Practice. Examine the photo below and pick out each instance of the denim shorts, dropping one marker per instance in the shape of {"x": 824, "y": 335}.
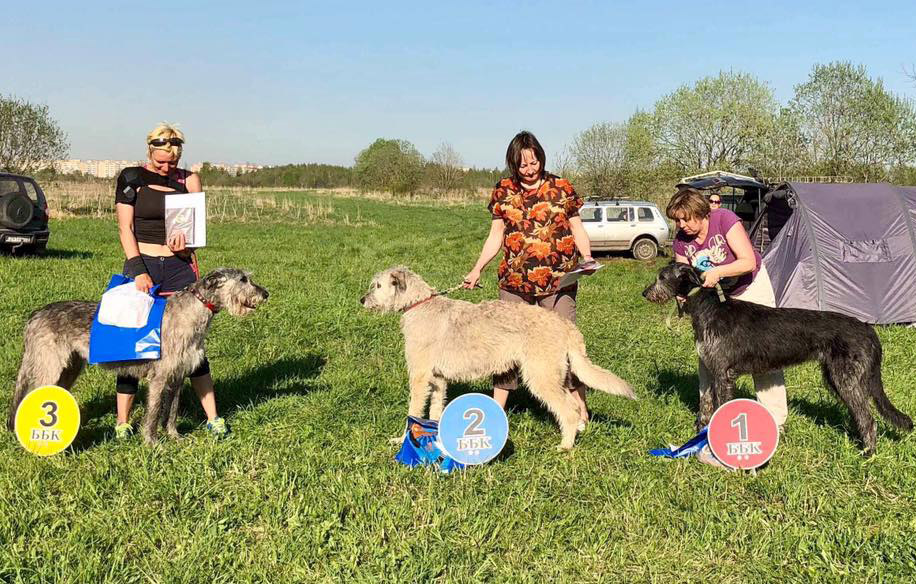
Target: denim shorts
{"x": 171, "y": 273}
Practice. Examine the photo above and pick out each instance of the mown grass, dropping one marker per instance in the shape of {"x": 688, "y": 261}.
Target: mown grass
{"x": 313, "y": 386}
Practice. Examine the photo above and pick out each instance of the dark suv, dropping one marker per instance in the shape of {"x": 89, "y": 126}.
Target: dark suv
{"x": 23, "y": 214}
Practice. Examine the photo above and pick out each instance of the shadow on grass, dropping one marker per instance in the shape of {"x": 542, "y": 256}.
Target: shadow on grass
{"x": 67, "y": 254}
{"x": 830, "y": 414}
{"x": 288, "y": 376}
{"x": 54, "y": 254}
{"x": 669, "y": 382}
{"x": 834, "y": 415}
{"x": 521, "y": 400}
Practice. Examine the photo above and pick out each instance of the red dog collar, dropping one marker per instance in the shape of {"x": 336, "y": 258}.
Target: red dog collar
{"x": 209, "y": 305}
{"x": 416, "y": 304}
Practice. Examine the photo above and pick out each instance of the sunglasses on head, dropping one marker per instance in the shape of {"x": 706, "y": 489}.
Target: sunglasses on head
{"x": 160, "y": 142}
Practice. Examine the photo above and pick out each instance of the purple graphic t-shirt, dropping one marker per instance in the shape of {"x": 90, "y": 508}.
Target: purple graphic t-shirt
{"x": 714, "y": 251}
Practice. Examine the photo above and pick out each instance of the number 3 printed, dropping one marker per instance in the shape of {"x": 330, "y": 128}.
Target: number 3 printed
{"x": 51, "y": 412}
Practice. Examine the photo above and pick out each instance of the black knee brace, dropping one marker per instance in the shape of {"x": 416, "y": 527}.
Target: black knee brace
{"x": 202, "y": 369}
{"x": 127, "y": 385}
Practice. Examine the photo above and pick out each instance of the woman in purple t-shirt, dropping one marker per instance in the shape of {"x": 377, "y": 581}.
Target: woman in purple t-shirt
{"x": 715, "y": 242}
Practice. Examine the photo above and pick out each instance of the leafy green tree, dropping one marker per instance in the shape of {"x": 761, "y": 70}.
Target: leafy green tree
{"x": 783, "y": 150}
{"x": 599, "y": 154}
{"x": 716, "y": 123}
{"x": 29, "y": 137}
{"x": 852, "y": 124}
{"x": 389, "y": 165}
{"x": 643, "y": 169}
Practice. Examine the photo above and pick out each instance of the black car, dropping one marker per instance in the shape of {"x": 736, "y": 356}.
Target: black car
{"x": 23, "y": 215}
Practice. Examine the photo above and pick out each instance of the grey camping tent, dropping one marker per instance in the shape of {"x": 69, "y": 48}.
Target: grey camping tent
{"x": 848, "y": 248}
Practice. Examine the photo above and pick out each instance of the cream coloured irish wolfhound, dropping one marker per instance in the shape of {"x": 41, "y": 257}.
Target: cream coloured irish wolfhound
{"x": 447, "y": 339}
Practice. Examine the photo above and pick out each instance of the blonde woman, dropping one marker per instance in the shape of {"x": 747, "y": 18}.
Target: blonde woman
{"x": 153, "y": 257}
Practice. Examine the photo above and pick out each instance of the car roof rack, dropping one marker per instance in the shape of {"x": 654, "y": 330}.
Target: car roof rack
{"x": 720, "y": 178}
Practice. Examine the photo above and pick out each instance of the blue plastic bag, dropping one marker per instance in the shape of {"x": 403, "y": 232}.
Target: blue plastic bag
{"x": 111, "y": 343}
{"x": 690, "y": 448}
{"x": 421, "y": 446}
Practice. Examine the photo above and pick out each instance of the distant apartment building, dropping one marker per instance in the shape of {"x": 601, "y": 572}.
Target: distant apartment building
{"x": 235, "y": 169}
{"x": 99, "y": 168}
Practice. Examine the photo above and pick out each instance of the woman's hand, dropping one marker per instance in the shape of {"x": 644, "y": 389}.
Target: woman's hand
{"x": 589, "y": 264}
{"x": 143, "y": 283}
{"x": 177, "y": 242}
{"x": 711, "y": 277}
{"x": 472, "y": 280}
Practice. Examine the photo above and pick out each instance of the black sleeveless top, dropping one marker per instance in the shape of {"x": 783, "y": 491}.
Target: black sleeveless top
{"x": 133, "y": 188}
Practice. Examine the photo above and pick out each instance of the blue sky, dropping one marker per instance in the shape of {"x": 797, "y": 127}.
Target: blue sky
{"x": 282, "y": 82}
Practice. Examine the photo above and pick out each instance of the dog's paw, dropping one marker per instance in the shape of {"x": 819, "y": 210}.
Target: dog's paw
{"x": 562, "y": 448}
{"x": 397, "y": 439}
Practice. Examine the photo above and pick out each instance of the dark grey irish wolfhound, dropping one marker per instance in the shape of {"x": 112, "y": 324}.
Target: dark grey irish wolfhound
{"x": 735, "y": 337}
{"x": 57, "y": 343}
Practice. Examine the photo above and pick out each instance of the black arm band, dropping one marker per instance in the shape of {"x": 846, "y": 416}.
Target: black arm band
{"x": 134, "y": 267}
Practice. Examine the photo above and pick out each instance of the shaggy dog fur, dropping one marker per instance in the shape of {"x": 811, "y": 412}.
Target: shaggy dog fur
{"x": 447, "y": 339}
{"x": 57, "y": 344}
{"x": 735, "y": 337}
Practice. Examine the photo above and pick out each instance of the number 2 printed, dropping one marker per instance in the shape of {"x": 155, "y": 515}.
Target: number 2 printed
{"x": 474, "y": 428}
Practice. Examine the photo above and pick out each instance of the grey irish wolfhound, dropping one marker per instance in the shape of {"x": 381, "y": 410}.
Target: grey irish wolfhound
{"x": 735, "y": 337}
{"x": 447, "y": 339}
{"x": 57, "y": 343}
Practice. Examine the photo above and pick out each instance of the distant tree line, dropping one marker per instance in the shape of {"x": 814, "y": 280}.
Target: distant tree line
{"x": 839, "y": 122}
{"x": 394, "y": 166}
{"x": 305, "y": 176}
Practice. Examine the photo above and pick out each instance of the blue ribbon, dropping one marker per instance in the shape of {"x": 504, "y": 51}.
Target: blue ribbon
{"x": 690, "y": 448}
{"x": 421, "y": 447}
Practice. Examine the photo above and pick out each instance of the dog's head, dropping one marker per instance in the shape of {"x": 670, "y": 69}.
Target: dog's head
{"x": 675, "y": 279}
{"x": 395, "y": 289}
{"x": 231, "y": 289}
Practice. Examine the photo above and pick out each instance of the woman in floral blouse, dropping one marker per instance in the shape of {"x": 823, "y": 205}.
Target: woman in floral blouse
{"x": 536, "y": 224}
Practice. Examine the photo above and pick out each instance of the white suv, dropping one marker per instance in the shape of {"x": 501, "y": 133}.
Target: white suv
{"x": 623, "y": 225}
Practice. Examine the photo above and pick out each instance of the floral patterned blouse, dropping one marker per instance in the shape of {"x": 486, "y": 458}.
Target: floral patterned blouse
{"x": 538, "y": 243}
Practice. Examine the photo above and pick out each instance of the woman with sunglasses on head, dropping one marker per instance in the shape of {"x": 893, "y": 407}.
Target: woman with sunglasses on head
{"x": 536, "y": 224}
{"x": 154, "y": 257}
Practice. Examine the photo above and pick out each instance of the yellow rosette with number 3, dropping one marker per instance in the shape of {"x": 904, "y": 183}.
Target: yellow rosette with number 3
{"x": 47, "y": 420}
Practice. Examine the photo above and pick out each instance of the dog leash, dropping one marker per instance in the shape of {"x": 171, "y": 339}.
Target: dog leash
{"x": 445, "y": 292}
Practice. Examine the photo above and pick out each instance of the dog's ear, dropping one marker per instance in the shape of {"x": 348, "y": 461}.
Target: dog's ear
{"x": 399, "y": 279}
{"x": 688, "y": 274}
{"x": 214, "y": 279}
{"x": 694, "y": 276}
{"x": 688, "y": 278}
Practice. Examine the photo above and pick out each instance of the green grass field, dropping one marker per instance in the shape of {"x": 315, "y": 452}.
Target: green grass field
{"x": 306, "y": 489}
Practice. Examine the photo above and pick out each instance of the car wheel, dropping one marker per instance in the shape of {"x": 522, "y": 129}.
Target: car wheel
{"x": 645, "y": 249}
{"x": 16, "y": 210}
